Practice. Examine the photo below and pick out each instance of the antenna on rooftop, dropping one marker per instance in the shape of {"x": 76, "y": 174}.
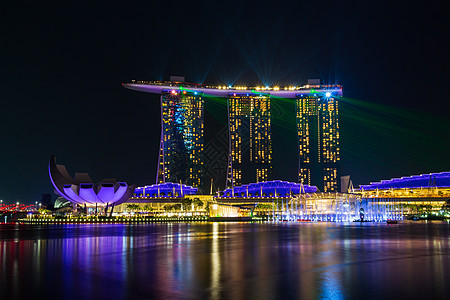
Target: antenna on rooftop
{"x": 211, "y": 192}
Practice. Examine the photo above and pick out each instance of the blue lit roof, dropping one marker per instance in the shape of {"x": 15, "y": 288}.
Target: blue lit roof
{"x": 416, "y": 181}
{"x": 165, "y": 190}
{"x": 268, "y": 189}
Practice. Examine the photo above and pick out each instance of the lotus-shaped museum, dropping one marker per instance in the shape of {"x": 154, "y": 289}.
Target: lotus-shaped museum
{"x": 81, "y": 190}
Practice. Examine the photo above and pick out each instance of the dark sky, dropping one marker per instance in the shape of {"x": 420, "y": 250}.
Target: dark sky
{"x": 62, "y": 67}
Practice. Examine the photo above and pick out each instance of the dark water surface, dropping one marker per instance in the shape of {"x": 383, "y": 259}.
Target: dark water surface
{"x": 226, "y": 260}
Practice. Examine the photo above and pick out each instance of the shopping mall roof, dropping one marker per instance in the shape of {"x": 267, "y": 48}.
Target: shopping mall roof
{"x": 416, "y": 181}
{"x": 165, "y": 190}
{"x": 268, "y": 189}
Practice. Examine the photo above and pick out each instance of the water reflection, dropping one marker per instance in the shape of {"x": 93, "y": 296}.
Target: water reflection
{"x": 226, "y": 260}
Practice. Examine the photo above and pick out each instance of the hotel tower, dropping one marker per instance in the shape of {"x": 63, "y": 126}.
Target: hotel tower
{"x": 250, "y": 144}
{"x": 181, "y": 145}
{"x": 318, "y": 140}
{"x": 250, "y": 154}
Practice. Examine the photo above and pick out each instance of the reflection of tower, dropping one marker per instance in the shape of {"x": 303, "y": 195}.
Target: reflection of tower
{"x": 181, "y": 145}
{"x": 318, "y": 140}
{"x": 250, "y": 151}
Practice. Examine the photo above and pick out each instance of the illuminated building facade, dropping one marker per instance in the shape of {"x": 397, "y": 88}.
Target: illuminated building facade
{"x": 318, "y": 140}
{"x": 181, "y": 145}
{"x": 250, "y": 146}
{"x": 82, "y": 190}
{"x": 268, "y": 189}
{"x": 250, "y": 132}
{"x": 418, "y": 194}
{"x": 430, "y": 186}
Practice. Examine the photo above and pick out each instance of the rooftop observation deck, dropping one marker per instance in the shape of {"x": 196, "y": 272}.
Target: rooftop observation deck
{"x": 160, "y": 87}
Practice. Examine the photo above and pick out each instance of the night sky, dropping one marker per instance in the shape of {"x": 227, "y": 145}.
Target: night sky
{"x": 62, "y": 67}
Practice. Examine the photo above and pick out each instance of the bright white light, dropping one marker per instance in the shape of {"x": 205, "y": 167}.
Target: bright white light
{"x": 328, "y": 94}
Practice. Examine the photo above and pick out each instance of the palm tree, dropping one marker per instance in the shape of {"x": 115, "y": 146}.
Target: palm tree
{"x": 148, "y": 208}
{"x": 197, "y": 202}
{"x": 132, "y": 207}
{"x": 186, "y": 203}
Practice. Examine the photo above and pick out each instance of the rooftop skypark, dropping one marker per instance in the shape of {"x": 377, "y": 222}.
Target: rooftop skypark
{"x": 158, "y": 87}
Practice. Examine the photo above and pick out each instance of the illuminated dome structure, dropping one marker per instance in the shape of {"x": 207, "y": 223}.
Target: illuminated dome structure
{"x": 275, "y": 188}
{"x": 81, "y": 190}
{"x": 165, "y": 190}
{"x": 416, "y": 181}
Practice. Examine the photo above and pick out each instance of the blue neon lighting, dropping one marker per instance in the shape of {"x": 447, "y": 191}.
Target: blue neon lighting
{"x": 165, "y": 190}
{"x": 416, "y": 181}
{"x": 268, "y": 189}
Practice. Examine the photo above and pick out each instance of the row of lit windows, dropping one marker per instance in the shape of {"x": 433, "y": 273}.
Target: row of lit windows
{"x": 330, "y": 140}
{"x": 304, "y": 176}
{"x": 330, "y": 179}
{"x": 183, "y": 113}
{"x": 262, "y": 175}
{"x": 257, "y": 110}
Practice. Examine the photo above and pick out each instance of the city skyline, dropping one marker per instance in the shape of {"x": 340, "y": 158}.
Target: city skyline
{"x": 239, "y": 149}
{"x": 61, "y": 83}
